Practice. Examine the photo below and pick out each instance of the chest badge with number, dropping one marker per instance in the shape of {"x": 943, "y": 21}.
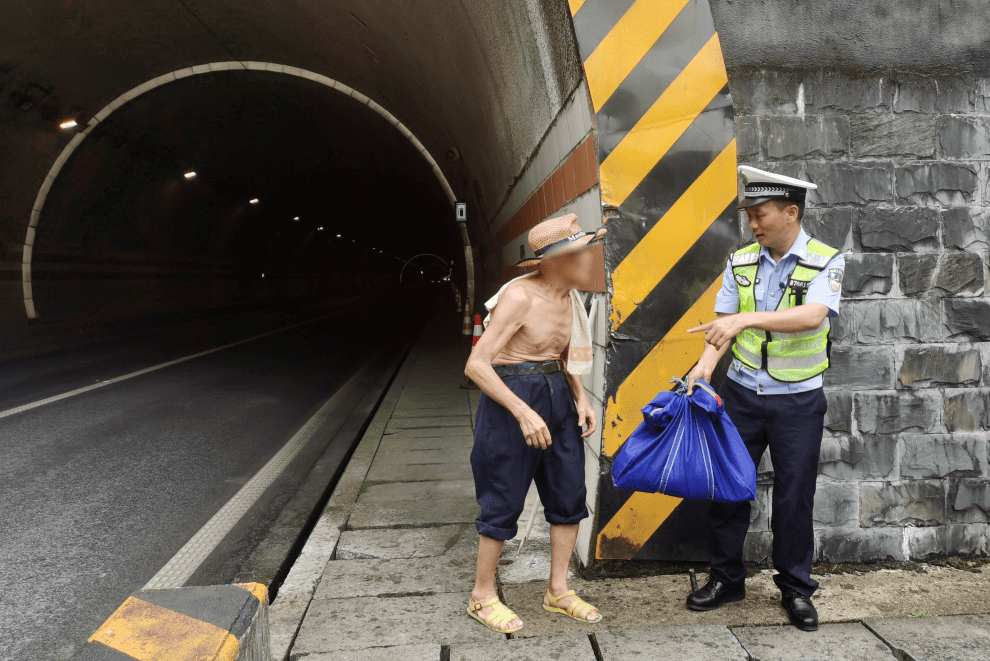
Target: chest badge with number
{"x": 742, "y": 280}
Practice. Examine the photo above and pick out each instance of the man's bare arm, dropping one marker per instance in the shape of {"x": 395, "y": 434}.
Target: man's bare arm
{"x": 507, "y": 318}
{"x": 586, "y": 414}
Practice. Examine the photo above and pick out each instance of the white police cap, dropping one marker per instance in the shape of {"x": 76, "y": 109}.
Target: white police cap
{"x": 762, "y": 186}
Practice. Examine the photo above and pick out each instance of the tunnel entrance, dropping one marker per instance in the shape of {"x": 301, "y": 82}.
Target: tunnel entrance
{"x": 233, "y": 186}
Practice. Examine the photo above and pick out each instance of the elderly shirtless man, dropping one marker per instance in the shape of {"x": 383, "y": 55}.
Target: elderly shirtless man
{"x": 529, "y": 419}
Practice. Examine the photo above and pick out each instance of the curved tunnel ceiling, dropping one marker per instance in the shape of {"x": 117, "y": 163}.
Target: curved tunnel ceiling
{"x": 472, "y": 79}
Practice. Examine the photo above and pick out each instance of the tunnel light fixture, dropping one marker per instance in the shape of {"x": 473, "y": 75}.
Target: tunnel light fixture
{"x": 68, "y": 124}
{"x": 296, "y": 219}
{"x": 190, "y": 175}
{"x": 319, "y": 229}
{"x": 254, "y": 201}
{"x": 338, "y": 236}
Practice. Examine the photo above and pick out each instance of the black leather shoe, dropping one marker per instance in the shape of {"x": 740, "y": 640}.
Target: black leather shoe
{"x": 801, "y": 611}
{"x": 713, "y": 595}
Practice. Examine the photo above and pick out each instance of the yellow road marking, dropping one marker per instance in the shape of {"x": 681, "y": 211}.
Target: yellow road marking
{"x": 656, "y": 253}
{"x": 259, "y": 591}
{"x": 626, "y": 44}
{"x": 673, "y": 356}
{"x": 575, "y": 5}
{"x": 151, "y": 633}
{"x": 634, "y": 524}
{"x": 666, "y": 120}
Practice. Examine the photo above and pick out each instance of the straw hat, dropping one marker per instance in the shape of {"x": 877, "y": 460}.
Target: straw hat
{"x": 556, "y": 236}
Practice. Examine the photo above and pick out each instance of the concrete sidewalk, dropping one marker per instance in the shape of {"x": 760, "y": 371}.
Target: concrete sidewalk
{"x": 388, "y": 571}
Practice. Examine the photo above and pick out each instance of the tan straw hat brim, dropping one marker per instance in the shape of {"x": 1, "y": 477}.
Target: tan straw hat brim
{"x": 564, "y": 248}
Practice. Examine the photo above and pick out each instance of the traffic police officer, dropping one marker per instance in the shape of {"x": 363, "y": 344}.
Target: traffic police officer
{"x": 773, "y": 310}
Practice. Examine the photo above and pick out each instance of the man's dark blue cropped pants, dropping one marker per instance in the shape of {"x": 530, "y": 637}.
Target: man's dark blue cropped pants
{"x": 504, "y": 466}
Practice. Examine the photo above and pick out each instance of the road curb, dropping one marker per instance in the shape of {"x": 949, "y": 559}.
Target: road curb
{"x": 296, "y": 592}
{"x": 201, "y": 623}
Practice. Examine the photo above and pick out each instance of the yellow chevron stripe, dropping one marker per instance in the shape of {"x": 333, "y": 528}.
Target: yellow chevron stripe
{"x": 663, "y": 123}
{"x": 656, "y": 253}
{"x": 152, "y": 633}
{"x": 634, "y": 524}
{"x": 626, "y": 44}
{"x": 673, "y": 356}
{"x": 575, "y": 5}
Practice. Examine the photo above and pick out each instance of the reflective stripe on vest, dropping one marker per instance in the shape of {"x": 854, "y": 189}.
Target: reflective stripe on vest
{"x": 786, "y": 357}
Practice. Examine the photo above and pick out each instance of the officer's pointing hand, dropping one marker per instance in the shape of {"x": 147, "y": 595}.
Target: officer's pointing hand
{"x": 720, "y": 331}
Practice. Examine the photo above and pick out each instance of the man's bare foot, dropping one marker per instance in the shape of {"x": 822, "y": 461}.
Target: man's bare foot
{"x": 571, "y": 605}
{"x": 496, "y": 616}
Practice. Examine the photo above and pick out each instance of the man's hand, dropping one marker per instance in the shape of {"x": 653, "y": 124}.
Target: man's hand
{"x": 702, "y": 370}
{"x": 586, "y": 414}
{"x": 535, "y": 429}
{"x": 723, "y": 330}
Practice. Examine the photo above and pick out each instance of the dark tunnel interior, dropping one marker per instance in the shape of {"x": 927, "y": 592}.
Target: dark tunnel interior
{"x": 364, "y": 197}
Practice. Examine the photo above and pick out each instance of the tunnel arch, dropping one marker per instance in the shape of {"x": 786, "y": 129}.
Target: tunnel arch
{"x": 33, "y": 222}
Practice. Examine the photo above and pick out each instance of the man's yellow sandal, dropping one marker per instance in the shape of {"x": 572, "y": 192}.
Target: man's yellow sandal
{"x": 578, "y": 609}
{"x": 498, "y": 619}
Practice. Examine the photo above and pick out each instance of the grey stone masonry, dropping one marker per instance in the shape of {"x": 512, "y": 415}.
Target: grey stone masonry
{"x": 902, "y": 167}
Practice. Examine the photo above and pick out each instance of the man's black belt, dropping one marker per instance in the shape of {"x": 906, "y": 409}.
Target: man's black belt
{"x": 546, "y": 367}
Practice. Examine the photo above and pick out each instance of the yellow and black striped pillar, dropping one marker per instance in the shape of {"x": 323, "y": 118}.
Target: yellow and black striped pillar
{"x": 667, "y": 162}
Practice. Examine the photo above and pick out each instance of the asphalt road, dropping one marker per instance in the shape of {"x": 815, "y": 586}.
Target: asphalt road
{"x": 99, "y": 491}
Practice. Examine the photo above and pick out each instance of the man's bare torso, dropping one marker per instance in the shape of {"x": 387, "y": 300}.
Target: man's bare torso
{"x": 546, "y": 328}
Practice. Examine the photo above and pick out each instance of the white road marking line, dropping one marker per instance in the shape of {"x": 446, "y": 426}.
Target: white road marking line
{"x": 184, "y": 563}
{"x": 125, "y": 377}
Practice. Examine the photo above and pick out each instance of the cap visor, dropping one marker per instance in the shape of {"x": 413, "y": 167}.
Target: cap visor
{"x": 752, "y": 202}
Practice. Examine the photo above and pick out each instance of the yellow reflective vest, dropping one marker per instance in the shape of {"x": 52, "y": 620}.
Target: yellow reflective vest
{"x": 786, "y": 357}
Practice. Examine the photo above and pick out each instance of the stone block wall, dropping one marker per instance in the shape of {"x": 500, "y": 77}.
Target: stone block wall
{"x": 902, "y": 165}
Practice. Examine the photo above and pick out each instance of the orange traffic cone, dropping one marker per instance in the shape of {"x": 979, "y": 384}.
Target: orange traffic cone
{"x": 468, "y": 383}
{"x": 460, "y": 304}
{"x": 466, "y": 328}
{"x": 477, "y": 330}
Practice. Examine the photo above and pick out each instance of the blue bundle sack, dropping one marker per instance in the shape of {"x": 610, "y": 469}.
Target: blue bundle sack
{"x": 687, "y": 447}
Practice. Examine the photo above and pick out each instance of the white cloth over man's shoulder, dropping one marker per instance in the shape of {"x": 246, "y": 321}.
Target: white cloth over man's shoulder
{"x": 579, "y": 355}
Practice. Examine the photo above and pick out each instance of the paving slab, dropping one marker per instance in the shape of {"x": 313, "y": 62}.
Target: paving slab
{"x": 463, "y": 421}
{"x": 955, "y": 638}
{"x": 441, "y": 409}
{"x": 404, "y": 652}
{"x": 459, "y": 540}
{"x": 363, "y": 622}
{"x": 343, "y": 579}
{"x": 532, "y": 564}
{"x": 392, "y": 491}
{"x": 392, "y": 455}
{"x": 387, "y": 472}
{"x": 436, "y": 432}
{"x": 832, "y": 642}
{"x": 413, "y": 514}
{"x": 576, "y": 647}
{"x": 684, "y": 643}
{"x": 412, "y": 444}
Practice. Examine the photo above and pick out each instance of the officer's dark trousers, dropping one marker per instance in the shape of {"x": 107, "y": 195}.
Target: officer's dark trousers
{"x": 791, "y": 425}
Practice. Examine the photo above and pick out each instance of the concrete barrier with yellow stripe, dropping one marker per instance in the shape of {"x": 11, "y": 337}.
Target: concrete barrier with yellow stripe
{"x": 667, "y": 159}
{"x": 207, "y": 623}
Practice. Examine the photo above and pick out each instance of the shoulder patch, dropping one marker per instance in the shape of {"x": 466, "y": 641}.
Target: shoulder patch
{"x": 835, "y": 279}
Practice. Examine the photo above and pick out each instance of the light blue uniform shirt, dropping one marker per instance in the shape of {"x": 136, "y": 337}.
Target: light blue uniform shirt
{"x": 771, "y": 281}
